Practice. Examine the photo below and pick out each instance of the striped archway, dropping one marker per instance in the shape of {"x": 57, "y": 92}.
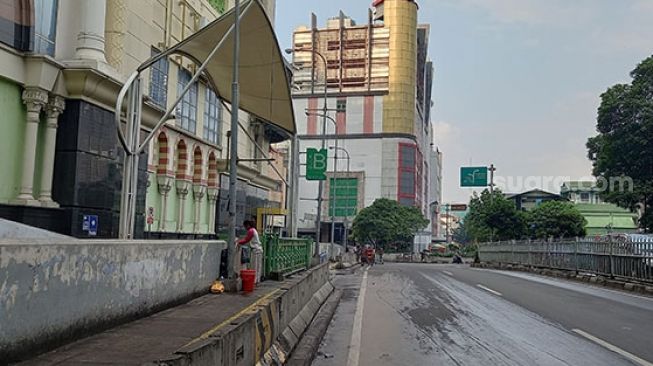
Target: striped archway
{"x": 197, "y": 166}
{"x": 213, "y": 171}
{"x": 181, "y": 171}
{"x": 164, "y": 154}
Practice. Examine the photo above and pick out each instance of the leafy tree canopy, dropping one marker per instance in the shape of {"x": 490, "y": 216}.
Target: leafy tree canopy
{"x": 386, "y": 222}
{"x": 556, "y": 219}
{"x": 624, "y": 144}
{"x": 493, "y": 217}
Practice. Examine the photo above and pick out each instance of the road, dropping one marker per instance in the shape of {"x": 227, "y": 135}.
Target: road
{"x": 424, "y": 314}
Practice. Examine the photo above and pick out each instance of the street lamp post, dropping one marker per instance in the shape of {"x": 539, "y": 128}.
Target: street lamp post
{"x": 348, "y": 172}
{"x": 335, "y": 169}
{"x": 324, "y": 119}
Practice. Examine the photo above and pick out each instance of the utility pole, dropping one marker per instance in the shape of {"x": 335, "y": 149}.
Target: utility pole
{"x": 492, "y": 170}
{"x": 320, "y": 188}
{"x": 233, "y": 161}
{"x": 333, "y": 186}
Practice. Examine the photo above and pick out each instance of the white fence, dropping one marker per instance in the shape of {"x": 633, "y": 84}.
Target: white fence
{"x": 630, "y": 258}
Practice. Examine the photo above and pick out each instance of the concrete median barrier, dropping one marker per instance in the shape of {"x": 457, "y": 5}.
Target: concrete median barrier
{"x": 265, "y": 335}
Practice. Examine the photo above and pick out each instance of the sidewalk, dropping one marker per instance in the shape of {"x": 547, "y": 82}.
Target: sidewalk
{"x": 158, "y": 336}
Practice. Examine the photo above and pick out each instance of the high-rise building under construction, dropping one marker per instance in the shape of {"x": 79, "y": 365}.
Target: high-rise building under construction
{"x": 378, "y": 80}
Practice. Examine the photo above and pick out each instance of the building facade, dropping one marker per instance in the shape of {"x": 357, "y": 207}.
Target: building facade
{"x": 602, "y": 218}
{"x": 435, "y": 196}
{"x": 581, "y": 192}
{"x": 526, "y": 201}
{"x": 378, "y": 81}
{"x": 61, "y": 70}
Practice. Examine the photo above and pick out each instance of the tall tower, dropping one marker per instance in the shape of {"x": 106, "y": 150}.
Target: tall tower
{"x": 400, "y": 16}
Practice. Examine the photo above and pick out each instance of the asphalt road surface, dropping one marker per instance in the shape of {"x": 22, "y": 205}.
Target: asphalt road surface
{"x": 424, "y": 314}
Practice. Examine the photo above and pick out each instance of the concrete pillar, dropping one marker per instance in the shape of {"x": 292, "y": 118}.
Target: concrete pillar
{"x": 90, "y": 38}
{"x": 165, "y": 185}
{"x": 34, "y": 100}
{"x": 213, "y": 199}
{"x": 54, "y": 108}
{"x": 182, "y": 187}
{"x": 198, "y": 194}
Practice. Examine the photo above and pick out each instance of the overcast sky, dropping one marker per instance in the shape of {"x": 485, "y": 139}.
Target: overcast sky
{"x": 517, "y": 82}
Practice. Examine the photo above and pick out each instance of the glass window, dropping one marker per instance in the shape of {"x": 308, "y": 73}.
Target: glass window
{"x": 45, "y": 26}
{"x": 187, "y": 108}
{"x": 212, "y": 117}
{"x": 341, "y": 105}
{"x": 584, "y": 197}
{"x": 344, "y": 193}
{"x": 409, "y": 176}
{"x": 159, "y": 81}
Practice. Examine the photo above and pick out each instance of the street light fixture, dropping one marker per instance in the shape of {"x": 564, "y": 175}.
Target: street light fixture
{"x": 296, "y": 151}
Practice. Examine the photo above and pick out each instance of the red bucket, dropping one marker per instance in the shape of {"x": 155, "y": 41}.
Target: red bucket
{"x": 249, "y": 279}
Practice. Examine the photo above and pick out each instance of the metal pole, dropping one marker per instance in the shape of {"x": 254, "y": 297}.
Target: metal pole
{"x": 294, "y": 189}
{"x": 333, "y": 193}
{"x": 233, "y": 161}
{"x": 320, "y": 188}
{"x": 492, "y": 169}
{"x": 346, "y": 213}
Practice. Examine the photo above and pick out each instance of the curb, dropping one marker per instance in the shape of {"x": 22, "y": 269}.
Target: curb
{"x": 306, "y": 350}
{"x": 646, "y": 289}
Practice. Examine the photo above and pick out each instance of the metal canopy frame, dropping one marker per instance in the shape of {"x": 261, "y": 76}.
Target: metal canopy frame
{"x": 280, "y": 115}
{"x": 130, "y": 141}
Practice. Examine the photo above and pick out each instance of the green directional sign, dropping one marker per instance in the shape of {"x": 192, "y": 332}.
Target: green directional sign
{"x": 473, "y": 176}
{"x": 316, "y": 164}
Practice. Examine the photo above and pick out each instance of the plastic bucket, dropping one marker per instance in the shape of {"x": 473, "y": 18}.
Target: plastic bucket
{"x": 249, "y": 279}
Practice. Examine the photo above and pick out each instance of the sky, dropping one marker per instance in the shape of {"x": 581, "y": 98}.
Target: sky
{"x": 517, "y": 82}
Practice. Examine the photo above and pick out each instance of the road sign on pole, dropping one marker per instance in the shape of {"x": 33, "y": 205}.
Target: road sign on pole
{"x": 316, "y": 164}
{"x": 474, "y": 176}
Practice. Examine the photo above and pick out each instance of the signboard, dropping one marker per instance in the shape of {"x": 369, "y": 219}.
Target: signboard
{"x": 459, "y": 207}
{"x": 316, "y": 164}
{"x": 474, "y": 176}
{"x": 90, "y": 224}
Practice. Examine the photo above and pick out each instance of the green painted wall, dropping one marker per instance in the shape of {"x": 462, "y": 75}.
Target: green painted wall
{"x": 12, "y": 120}
{"x": 154, "y": 199}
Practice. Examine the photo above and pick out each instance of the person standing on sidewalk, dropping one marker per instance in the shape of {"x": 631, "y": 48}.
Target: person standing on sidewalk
{"x": 256, "y": 250}
{"x": 369, "y": 255}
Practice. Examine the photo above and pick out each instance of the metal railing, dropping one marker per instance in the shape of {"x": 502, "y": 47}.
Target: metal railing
{"x": 612, "y": 257}
{"x": 283, "y": 256}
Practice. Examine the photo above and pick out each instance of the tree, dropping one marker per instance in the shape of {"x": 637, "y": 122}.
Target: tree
{"x": 460, "y": 234}
{"x": 556, "y": 219}
{"x": 385, "y": 222}
{"x": 624, "y": 144}
{"x": 492, "y": 217}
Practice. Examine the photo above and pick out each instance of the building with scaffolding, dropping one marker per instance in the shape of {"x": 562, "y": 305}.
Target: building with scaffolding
{"x": 378, "y": 84}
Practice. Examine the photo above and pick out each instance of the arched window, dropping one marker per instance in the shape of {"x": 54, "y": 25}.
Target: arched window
{"x": 162, "y": 162}
{"x": 182, "y": 160}
{"x": 197, "y": 165}
{"x": 213, "y": 170}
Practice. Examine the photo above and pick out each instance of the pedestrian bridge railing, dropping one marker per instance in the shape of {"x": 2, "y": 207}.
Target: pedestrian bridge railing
{"x": 283, "y": 256}
{"x": 614, "y": 257}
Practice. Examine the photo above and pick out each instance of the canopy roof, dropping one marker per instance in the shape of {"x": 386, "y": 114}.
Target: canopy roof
{"x": 264, "y": 82}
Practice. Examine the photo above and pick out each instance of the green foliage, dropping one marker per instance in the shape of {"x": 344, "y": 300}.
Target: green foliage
{"x": 624, "y": 144}
{"x": 218, "y": 5}
{"x": 460, "y": 234}
{"x": 493, "y": 217}
{"x": 556, "y": 219}
{"x": 386, "y": 222}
